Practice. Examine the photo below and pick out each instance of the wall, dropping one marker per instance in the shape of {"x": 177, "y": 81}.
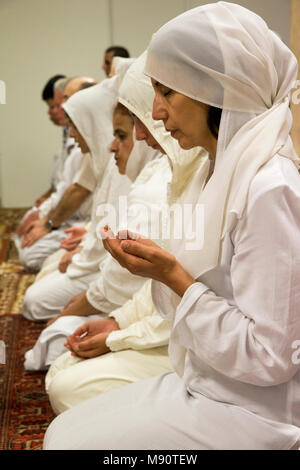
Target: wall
{"x": 295, "y": 46}
{"x": 39, "y": 38}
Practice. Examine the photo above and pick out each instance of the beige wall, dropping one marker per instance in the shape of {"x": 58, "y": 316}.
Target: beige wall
{"x": 39, "y": 38}
{"x": 295, "y": 46}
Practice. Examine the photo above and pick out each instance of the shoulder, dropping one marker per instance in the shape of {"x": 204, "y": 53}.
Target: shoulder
{"x": 278, "y": 176}
{"x": 159, "y": 166}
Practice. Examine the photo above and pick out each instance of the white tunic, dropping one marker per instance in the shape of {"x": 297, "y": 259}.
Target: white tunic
{"x": 75, "y": 169}
{"x": 60, "y": 158}
{"x": 240, "y": 321}
{"x": 111, "y": 287}
{"x": 240, "y": 388}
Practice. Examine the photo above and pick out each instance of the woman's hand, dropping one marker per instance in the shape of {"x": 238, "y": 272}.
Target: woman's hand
{"x": 78, "y": 306}
{"x": 89, "y": 340}
{"x": 71, "y": 242}
{"x": 145, "y": 258}
{"x": 67, "y": 259}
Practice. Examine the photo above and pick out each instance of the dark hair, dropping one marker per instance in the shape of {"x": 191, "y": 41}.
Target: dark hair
{"x": 213, "y": 120}
{"x": 118, "y": 51}
{"x": 48, "y": 90}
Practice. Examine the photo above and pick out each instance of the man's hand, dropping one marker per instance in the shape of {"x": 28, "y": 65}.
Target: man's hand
{"x": 34, "y": 232}
{"x": 75, "y": 236}
{"x": 89, "y": 340}
{"x": 23, "y": 227}
{"x": 67, "y": 259}
{"x": 78, "y": 306}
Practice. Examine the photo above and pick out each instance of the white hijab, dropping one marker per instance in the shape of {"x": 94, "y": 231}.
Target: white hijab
{"x": 137, "y": 94}
{"x": 224, "y": 55}
{"x": 120, "y": 66}
{"x": 91, "y": 110}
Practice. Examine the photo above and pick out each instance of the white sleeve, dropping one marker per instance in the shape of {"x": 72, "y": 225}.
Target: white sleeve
{"x": 114, "y": 286}
{"x": 252, "y": 340}
{"x": 86, "y": 176}
{"x": 136, "y": 308}
{"x": 71, "y": 168}
{"x": 150, "y": 332}
{"x": 141, "y": 327}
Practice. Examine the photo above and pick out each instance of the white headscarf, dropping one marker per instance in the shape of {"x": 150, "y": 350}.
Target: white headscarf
{"x": 224, "y": 55}
{"x": 137, "y": 94}
{"x": 91, "y": 110}
{"x": 120, "y": 66}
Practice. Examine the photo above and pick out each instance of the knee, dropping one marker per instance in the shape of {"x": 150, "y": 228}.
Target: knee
{"x": 31, "y": 303}
{"x": 59, "y": 392}
{"x": 27, "y": 258}
{"x": 54, "y": 435}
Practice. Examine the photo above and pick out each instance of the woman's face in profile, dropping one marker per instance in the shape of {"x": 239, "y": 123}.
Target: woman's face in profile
{"x": 74, "y": 132}
{"x": 183, "y": 117}
{"x": 122, "y": 144}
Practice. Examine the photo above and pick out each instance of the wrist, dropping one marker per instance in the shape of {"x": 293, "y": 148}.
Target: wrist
{"x": 49, "y": 225}
{"x": 113, "y": 323}
{"x": 179, "y": 280}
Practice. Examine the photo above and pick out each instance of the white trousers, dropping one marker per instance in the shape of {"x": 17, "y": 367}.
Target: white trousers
{"x": 50, "y": 264}
{"x": 71, "y": 380}
{"x": 50, "y": 344}
{"x": 159, "y": 413}
{"x": 45, "y": 299}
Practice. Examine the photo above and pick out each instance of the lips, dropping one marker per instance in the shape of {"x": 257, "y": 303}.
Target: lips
{"x": 172, "y": 131}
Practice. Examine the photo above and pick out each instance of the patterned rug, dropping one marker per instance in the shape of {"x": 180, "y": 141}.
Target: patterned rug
{"x": 25, "y": 411}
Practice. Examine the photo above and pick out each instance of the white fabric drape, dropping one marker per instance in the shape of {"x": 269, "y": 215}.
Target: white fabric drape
{"x": 224, "y": 55}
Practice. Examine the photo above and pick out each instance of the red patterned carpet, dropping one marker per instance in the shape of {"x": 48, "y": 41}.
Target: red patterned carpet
{"x": 25, "y": 412}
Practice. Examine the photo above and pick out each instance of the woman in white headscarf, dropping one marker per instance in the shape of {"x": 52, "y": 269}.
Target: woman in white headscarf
{"x": 91, "y": 110}
{"x": 135, "y": 345}
{"x": 237, "y": 383}
{"x": 93, "y": 277}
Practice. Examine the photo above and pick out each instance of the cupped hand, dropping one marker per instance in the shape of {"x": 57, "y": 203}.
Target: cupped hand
{"x": 75, "y": 236}
{"x": 66, "y": 259}
{"x": 89, "y": 340}
{"x": 143, "y": 257}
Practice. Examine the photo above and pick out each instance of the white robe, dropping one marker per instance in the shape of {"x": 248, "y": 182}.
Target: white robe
{"x": 113, "y": 284}
{"x": 76, "y": 170}
{"x": 44, "y": 299}
{"x": 60, "y": 158}
{"x": 139, "y": 350}
{"x": 240, "y": 387}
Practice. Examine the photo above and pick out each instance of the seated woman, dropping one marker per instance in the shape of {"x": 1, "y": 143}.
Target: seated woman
{"x": 131, "y": 344}
{"x": 91, "y": 111}
{"x": 93, "y": 273}
{"x": 134, "y": 346}
{"x": 235, "y": 385}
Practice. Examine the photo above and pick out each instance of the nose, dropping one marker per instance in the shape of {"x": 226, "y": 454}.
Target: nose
{"x": 113, "y": 146}
{"x": 159, "y": 112}
{"x": 140, "y": 130}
